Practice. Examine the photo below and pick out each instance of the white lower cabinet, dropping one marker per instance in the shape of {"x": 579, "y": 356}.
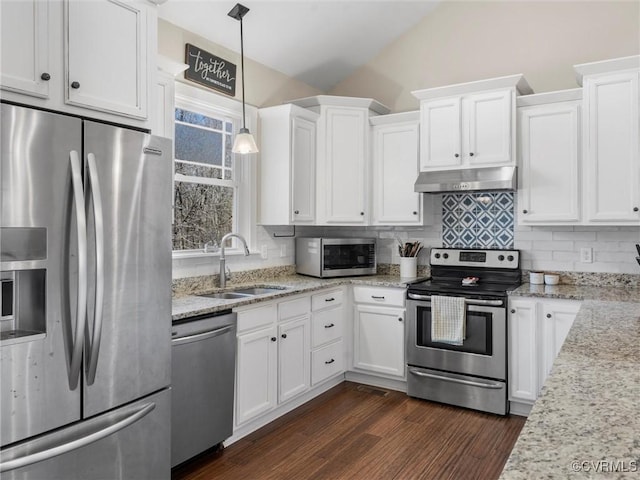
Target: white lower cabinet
{"x": 378, "y": 331}
{"x": 537, "y": 330}
{"x": 327, "y": 320}
{"x": 293, "y": 358}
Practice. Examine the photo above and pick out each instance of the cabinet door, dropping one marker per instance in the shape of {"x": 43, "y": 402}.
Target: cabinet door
{"x": 294, "y": 371}
{"x": 106, "y": 56}
{"x": 303, "y": 164}
{"x": 556, "y": 320}
{"x": 256, "y": 373}
{"x": 487, "y": 129}
{"x": 345, "y": 170}
{"x": 379, "y": 340}
{"x": 523, "y": 360}
{"x": 395, "y": 169}
{"x": 440, "y": 141}
{"x": 612, "y": 148}
{"x": 25, "y": 59}
{"x": 549, "y": 155}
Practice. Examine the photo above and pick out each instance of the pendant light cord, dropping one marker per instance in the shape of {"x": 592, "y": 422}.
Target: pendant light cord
{"x": 244, "y": 121}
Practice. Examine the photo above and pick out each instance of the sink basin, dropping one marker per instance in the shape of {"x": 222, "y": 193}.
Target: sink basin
{"x": 226, "y": 295}
{"x": 258, "y": 290}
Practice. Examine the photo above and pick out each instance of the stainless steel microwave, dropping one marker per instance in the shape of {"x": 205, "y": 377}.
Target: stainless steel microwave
{"x": 335, "y": 257}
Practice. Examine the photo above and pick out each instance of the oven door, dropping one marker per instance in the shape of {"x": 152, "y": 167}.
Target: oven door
{"x": 483, "y": 352}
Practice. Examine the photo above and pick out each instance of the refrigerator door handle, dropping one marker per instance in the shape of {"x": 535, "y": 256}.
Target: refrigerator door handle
{"x": 63, "y": 442}
{"x": 93, "y": 346}
{"x": 81, "y": 309}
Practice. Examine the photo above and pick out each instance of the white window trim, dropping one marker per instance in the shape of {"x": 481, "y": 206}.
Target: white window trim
{"x": 245, "y": 166}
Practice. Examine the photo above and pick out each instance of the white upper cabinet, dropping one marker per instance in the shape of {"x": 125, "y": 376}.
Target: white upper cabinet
{"x": 549, "y": 151}
{"x": 77, "y": 55}
{"x": 287, "y": 164}
{"x": 470, "y": 124}
{"x": 611, "y": 140}
{"x": 395, "y": 169}
{"x": 25, "y": 69}
{"x": 343, "y": 153}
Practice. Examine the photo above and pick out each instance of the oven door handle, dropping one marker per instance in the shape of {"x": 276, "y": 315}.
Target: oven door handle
{"x": 468, "y": 301}
{"x": 491, "y": 385}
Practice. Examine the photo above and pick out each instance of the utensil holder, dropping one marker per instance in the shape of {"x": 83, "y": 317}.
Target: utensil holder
{"x": 408, "y": 267}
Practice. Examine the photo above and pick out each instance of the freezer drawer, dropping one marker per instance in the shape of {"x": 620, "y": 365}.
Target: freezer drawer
{"x": 139, "y": 450}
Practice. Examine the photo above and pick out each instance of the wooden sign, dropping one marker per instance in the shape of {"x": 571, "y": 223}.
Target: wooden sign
{"x": 210, "y": 71}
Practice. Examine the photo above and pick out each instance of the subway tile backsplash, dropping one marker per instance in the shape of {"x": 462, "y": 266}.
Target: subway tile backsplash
{"x": 478, "y": 220}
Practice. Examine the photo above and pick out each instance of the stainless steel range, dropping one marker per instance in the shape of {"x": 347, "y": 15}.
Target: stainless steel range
{"x": 470, "y": 371}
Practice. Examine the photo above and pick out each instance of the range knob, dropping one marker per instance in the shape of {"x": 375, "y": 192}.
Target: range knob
{"x": 510, "y": 258}
{"x": 501, "y": 257}
{"x": 437, "y": 255}
{"x": 446, "y": 255}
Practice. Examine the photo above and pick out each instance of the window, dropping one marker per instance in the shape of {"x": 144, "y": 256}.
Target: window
{"x": 205, "y": 187}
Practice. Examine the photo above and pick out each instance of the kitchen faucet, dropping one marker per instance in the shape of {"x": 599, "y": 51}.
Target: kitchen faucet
{"x": 223, "y": 271}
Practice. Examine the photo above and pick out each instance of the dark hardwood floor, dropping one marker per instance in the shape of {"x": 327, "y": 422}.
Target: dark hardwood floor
{"x": 354, "y": 431}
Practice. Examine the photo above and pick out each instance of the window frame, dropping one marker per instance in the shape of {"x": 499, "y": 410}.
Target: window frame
{"x": 195, "y": 99}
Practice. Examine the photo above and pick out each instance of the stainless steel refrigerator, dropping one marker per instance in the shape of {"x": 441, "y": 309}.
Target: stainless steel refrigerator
{"x": 85, "y": 245}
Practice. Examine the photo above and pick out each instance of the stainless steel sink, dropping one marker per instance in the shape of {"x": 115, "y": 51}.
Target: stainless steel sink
{"x": 243, "y": 293}
{"x": 226, "y": 295}
{"x": 258, "y": 290}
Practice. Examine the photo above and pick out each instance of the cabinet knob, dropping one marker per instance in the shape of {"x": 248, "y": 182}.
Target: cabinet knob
{"x": 361, "y": 213}
{"x": 399, "y": 319}
{"x": 635, "y": 209}
{"x": 415, "y": 213}
{"x": 471, "y": 154}
{"x": 513, "y": 310}
{"x": 273, "y": 339}
{"x": 548, "y": 315}
{"x": 75, "y": 84}
{"x": 525, "y": 211}
{"x": 296, "y": 212}
{"x": 330, "y": 361}
{"x": 45, "y": 76}
{"x": 284, "y": 335}
{"x": 456, "y": 155}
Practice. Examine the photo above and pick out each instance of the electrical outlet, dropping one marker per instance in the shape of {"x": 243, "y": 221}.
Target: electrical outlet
{"x": 586, "y": 255}
{"x": 283, "y": 250}
{"x": 264, "y": 252}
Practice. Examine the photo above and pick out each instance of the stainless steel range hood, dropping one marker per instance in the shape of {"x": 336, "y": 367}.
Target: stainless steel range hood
{"x": 467, "y": 180}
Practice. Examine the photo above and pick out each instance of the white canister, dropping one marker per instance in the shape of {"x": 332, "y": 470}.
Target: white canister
{"x": 536, "y": 278}
{"x": 408, "y": 267}
{"x": 551, "y": 279}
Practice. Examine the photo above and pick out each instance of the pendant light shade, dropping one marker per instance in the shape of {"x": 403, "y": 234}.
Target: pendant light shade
{"x": 244, "y": 142}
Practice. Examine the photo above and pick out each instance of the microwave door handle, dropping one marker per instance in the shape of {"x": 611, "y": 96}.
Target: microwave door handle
{"x": 81, "y": 305}
{"x": 93, "y": 347}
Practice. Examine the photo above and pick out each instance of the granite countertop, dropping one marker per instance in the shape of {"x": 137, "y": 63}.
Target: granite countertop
{"x": 586, "y": 423}
{"x": 185, "y": 306}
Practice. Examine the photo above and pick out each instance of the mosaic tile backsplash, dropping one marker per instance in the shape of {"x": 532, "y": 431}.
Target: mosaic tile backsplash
{"x": 478, "y": 220}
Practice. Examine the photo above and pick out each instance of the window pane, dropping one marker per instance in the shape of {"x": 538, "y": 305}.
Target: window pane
{"x": 228, "y": 127}
{"x": 198, "y": 119}
{"x": 198, "y": 145}
{"x": 228, "y": 155}
{"x": 193, "y": 170}
{"x": 202, "y": 213}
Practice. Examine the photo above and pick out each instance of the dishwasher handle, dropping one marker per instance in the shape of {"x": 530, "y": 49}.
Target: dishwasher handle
{"x": 202, "y": 336}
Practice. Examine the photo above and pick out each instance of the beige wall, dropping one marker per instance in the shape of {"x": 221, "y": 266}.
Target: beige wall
{"x": 462, "y": 41}
{"x": 265, "y": 86}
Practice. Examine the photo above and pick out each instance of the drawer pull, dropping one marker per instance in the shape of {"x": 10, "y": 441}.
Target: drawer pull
{"x": 377, "y": 297}
{"x": 330, "y": 361}
{"x": 329, "y": 299}
{"x": 284, "y": 335}
{"x": 273, "y": 339}
{"x": 329, "y": 326}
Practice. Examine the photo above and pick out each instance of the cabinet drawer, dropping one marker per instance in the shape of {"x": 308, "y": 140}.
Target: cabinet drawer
{"x": 293, "y": 308}
{"x": 327, "y": 299}
{"x": 326, "y": 326}
{"x": 379, "y": 296}
{"x": 261, "y": 316}
{"x": 326, "y": 362}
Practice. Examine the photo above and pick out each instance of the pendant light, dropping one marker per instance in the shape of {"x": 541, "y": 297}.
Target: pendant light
{"x": 244, "y": 142}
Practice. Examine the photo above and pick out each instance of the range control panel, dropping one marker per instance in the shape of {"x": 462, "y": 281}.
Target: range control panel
{"x": 455, "y": 257}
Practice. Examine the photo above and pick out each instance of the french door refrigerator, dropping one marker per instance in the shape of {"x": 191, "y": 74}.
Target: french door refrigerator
{"x": 85, "y": 245}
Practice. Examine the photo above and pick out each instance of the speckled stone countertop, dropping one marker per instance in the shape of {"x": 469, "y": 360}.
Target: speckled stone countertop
{"x": 190, "y": 305}
{"x": 586, "y": 423}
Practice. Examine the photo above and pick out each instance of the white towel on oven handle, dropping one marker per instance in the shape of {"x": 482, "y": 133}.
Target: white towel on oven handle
{"x": 448, "y": 319}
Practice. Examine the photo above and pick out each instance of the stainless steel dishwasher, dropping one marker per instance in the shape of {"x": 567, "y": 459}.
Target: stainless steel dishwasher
{"x": 202, "y": 380}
